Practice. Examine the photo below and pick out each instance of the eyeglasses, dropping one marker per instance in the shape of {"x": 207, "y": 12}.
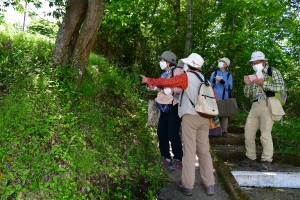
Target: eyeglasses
{"x": 256, "y": 62}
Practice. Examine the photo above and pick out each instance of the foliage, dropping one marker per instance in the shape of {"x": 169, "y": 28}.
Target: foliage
{"x": 228, "y": 28}
{"x": 42, "y": 27}
{"x": 59, "y": 143}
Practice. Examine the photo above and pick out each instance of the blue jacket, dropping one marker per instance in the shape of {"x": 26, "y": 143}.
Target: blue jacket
{"x": 222, "y": 87}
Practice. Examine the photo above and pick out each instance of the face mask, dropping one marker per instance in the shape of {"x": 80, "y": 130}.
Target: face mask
{"x": 185, "y": 67}
{"x": 221, "y": 65}
{"x": 163, "y": 65}
{"x": 258, "y": 67}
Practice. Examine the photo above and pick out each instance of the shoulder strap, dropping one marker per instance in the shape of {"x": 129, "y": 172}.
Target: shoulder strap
{"x": 214, "y": 80}
{"x": 228, "y": 75}
{"x": 172, "y": 72}
{"x": 270, "y": 75}
{"x": 201, "y": 80}
{"x": 270, "y": 71}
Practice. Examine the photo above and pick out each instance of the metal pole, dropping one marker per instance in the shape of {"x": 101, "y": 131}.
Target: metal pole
{"x": 24, "y": 17}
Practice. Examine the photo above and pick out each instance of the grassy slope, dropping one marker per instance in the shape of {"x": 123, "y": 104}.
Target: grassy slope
{"x": 57, "y": 143}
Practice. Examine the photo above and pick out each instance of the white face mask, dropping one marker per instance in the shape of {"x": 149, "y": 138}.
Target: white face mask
{"x": 221, "y": 65}
{"x": 258, "y": 67}
{"x": 162, "y": 65}
{"x": 185, "y": 67}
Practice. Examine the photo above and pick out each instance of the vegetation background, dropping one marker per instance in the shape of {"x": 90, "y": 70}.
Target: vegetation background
{"x": 61, "y": 138}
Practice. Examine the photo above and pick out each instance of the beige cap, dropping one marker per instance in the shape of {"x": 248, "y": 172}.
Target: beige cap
{"x": 226, "y": 60}
{"x": 166, "y": 99}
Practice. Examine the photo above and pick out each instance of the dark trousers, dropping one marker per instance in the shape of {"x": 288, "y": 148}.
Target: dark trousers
{"x": 168, "y": 131}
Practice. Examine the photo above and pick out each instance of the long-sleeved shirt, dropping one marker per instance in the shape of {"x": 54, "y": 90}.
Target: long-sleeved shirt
{"x": 277, "y": 84}
{"x": 189, "y": 83}
{"x": 222, "y": 87}
{"x": 180, "y": 81}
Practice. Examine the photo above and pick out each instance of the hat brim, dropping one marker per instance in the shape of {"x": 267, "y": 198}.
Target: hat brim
{"x": 159, "y": 57}
{"x": 255, "y": 59}
{"x": 162, "y": 102}
{"x": 189, "y": 62}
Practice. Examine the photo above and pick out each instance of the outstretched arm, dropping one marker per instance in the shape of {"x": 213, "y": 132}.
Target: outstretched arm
{"x": 180, "y": 81}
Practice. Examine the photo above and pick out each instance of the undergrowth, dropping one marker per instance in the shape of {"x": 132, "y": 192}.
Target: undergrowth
{"x": 59, "y": 143}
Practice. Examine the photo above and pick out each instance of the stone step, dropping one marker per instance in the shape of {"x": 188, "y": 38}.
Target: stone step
{"x": 232, "y": 139}
{"x": 267, "y": 179}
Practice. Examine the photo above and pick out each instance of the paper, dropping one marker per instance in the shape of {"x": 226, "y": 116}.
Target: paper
{"x": 258, "y": 75}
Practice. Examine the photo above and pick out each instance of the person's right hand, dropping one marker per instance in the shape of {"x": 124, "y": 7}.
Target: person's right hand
{"x": 144, "y": 79}
{"x": 246, "y": 80}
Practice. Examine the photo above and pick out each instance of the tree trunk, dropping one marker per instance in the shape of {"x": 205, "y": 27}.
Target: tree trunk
{"x": 188, "y": 41}
{"x": 77, "y": 33}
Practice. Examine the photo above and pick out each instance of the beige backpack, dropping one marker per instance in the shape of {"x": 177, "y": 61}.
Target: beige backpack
{"x": 206, "y": 104}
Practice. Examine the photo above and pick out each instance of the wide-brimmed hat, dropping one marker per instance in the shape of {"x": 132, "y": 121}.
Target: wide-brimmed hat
{"x": 168, "y": 56}
{"x": 167, "y": 99}
{"x": 226, "y": 60}
{"x": 257, "y": 55}
{"x": 193, "y": 60}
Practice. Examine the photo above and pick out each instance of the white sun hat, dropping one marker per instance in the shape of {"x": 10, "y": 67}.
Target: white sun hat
{"x": 193, "y": 60}
{"x": 257, "y": 55}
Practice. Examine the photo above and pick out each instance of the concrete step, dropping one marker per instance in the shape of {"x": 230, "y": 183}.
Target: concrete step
{"x": 267, "y": 179}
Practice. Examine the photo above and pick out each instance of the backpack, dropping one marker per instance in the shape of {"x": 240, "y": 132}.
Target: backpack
{"x": 282, "y": 97}
{"x": 206, "y": 104}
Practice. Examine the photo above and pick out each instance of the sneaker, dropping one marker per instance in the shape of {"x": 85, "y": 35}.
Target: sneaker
{"x": 166, "y": 162}
{"x": 248, "y": 162}
{"x": 177, "y": 165}
{"x": 224, "y": 134}
{"x": 265, "y": 166}
{"x": 181, "y": 188}
{"x": 209, "y": 190}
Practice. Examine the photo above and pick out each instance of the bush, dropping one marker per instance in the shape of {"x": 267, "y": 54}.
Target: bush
{"x": 59, "y": 143}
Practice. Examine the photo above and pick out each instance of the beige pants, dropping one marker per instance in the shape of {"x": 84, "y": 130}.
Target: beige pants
{"x": 259, "y": 117}
{"x": 195, "y": 139}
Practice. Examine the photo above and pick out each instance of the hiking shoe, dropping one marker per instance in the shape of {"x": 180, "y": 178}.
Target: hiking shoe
{"x": 209, "y": 190}
{"x": 181, "y": 188}
{"x": 265, "y": 166}
{"x": 248, "y": 162}
{"x": 224, "y": 134}
{"x": 166, "y": 162}
{"x": 177, "y": 165}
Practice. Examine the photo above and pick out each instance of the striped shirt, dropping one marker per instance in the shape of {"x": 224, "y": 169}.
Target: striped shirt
{"x": 277, "y": 85}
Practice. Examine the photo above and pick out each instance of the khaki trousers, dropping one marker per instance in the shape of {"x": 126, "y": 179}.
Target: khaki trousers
{"x": 259, "y": 117}
{"x": 195, "y": 139}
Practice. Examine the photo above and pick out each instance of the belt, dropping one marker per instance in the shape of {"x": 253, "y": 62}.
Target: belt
{"x": 257, "y": 98}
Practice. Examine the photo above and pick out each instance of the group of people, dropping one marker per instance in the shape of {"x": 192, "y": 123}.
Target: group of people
{"x": 195, "y": 128}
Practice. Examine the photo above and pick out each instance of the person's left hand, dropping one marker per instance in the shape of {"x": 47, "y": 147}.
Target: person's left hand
{"x": 144, "y": 79}
{"x": 259, "y": 82}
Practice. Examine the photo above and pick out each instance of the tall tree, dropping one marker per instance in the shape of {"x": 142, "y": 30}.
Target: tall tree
{"x": 189, "y": 33}
{"x": 77, "y": 33}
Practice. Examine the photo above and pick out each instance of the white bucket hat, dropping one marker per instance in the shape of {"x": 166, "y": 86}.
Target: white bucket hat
{"x": 226, "y": 60}
{"x": 193, "y": 60}
{"x": 166, "y": 99}
{"x": 257, "y": 55}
